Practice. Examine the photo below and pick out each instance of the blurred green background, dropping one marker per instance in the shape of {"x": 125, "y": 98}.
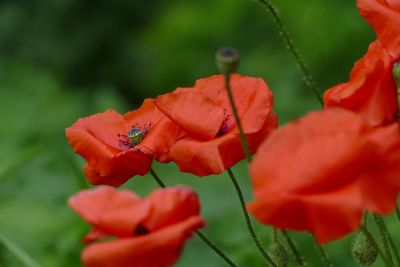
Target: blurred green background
{"x": 65, "y": 59}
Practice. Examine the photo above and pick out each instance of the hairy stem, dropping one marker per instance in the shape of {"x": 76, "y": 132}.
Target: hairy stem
{"x": 293, "y": 248}
{"x": 287, "y": 39}
{"x": 376, "y": 246}
{"x": 238, "y": 123}
{"x": 324, "y": 256}
{"x": 247, "y": 219}
{"x": 384, "y": 234}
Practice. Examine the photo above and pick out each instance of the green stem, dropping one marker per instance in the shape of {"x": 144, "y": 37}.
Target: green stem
{"x": 198, "y": 233}
{"x": 390, "y": 240}
{"x": 247, "y": 219}
{"x": 274, "y": 235}
{"x": 375, "y": 244}
{"x": 19, "y": 253}
{"x": 398, "y": 213}
{"x": 294, "y": 249}
{"x": 384, "y": 237}
{"x": 238, "y": 123}
{"x": 287, "y": 39}
{"x": 324, "y": 255}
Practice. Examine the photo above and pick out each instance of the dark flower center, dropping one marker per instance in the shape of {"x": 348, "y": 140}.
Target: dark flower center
{"x": 141, "y": 230}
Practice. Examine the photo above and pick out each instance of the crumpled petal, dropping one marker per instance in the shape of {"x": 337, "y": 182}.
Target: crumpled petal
{"x": 159, "y": 249}
{"x": 321, "y": 173}
{"x": 116, "y": 213}
{"x": 371, "y": 90}
{"x": 180, "y": 201}
{"x": 193, "y": 112}
{"x": 252, "y": 97}
{"x": 384, "y": 16}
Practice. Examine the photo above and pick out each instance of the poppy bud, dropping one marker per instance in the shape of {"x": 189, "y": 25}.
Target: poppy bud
{"x": 363, "y": 251}
{"x": 396, "y": 73}
{"x": 227, "y": 60}
{"x": 278, "y": 254}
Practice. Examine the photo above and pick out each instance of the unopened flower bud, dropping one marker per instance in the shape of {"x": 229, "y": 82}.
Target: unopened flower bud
{"x": 396, "y": 73}
{"x": 227, "y": 60}
{"x": 363, "y": 251}
{"x": 278, "y": 254}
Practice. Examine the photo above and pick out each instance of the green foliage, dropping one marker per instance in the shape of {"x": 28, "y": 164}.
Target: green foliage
{"x": 61, "y": 60}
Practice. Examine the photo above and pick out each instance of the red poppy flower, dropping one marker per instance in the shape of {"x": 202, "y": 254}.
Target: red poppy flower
{"x": 210, "y": 142}
{"x": 107, "y": 141}
{"x": 322, "y": 172}
{"x": 371, "y": 90}
{"x": 147, "y": 232}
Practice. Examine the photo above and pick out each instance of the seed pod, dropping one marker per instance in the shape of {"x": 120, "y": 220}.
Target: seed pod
{"x": 227, "y": 60}
{"x": 363, "y": 251}
{"x": 278, "y": 254}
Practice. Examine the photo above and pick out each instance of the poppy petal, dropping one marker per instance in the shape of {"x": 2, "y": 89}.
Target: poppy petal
{"x": 252, "y": 97}
{"x": 178, "y": 204}
{"x": 384, "y": 16}
{"x": 193, "y": 112}
{"x": 110, "y": 211}
{"x": 159, "y": 249}
{"x": 371, "y": 90}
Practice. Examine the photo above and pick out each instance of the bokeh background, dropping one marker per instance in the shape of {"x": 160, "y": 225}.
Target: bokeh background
{"x": 65, "y": 59}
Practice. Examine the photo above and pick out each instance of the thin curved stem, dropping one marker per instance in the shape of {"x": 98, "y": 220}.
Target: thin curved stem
{"x": 376, "y": 246}
{"x": 390, "y": 239}
{"x": 294, "y": 249}
{"x": 324, "y": 255}
{"x": 287, "y": 39}
{"x": 384, "y": 237}
{"x": 235, "y": 113}
{"x": 198, "y": 233}
{"x": 247, "y": 219}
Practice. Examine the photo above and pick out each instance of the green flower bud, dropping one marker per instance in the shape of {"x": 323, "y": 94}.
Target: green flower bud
{"x": 396, "y": 73}
{"x": 278, "y": 254}
{"x": 227, "y": 60}
{"x": 363, "y": 251}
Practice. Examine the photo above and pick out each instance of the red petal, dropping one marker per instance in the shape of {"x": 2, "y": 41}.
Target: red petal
{"x": 159, "y": 249}
{"x": 384, "y": 16}
{"x": 193, "y": 112}
{"x": 371, "y": 90}
{"x": 170, "y": 206}
{"x": 321, "y": 172}
{"x": 109, "y": 211}
{"x": 252, "y": 97}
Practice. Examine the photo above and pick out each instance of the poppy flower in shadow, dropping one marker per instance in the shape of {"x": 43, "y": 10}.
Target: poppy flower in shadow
{"x": 117, "y": 147}
{"x": 320, "y": 173}
{"x": 130, "y": 231}
{"x": 371, "y": 90}
{"x": 209, "y": 142}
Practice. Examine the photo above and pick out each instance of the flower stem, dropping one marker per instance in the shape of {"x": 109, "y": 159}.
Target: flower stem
{"x": 384, "y": 237}
{"x": 198, "y": 233}
{"x": 247, "y": 218}
{"x": 294, "y": 249}
{"x": 323, "y": 254}
{"x": 375, "y": 244}
{"x": 235, "y": 113}
{"x": 287, "y": 39}
{"x": 398, "y": 213}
